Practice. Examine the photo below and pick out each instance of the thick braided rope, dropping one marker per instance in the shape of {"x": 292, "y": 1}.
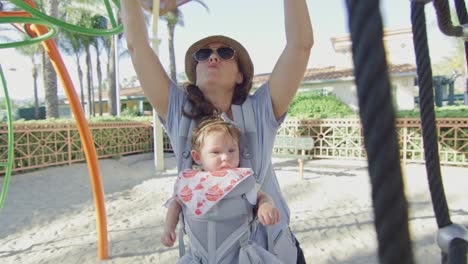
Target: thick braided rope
{"x": 461, "y": 11}
{"x": 458, "y": 249}
{"x": 444, "y": 20}
{"x": 376, "y": 111}
{"x": 429, "y": 129}
{"x": 463, "y": 18}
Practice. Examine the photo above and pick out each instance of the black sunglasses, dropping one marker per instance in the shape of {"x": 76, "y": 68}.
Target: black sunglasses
{"x": 225, "y": 53}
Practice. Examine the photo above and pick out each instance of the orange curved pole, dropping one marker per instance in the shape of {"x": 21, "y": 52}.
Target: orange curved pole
{"x": 14, "y": 14}
{"x": 85, "y": 135}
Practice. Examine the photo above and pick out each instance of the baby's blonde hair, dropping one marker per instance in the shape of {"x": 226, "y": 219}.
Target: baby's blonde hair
{"x": 213, "y": 124}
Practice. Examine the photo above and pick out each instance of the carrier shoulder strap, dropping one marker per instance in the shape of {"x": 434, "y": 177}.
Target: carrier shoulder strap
{"x": 244, "y": 117}
{"x": 245, "y": 120}
{"x": 184, "y": 146}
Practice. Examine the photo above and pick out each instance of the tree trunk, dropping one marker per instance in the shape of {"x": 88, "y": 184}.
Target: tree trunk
{"x": 172, "y": 62}
{"x": 36, "y": 97}
{"x": 49, "y": 74}
{"x": 50, "y": 87}
{"x": 89, "y": 79}
{"x": 111, "y": 94}
{"x": 99, "y": 78}
{"x": 80, "y": 79}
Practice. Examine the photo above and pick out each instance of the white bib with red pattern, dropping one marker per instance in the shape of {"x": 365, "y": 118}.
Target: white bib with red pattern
{"x": 201, "y": 190}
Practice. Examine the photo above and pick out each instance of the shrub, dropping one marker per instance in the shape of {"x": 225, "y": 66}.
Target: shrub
{"x": 441, "y": 112}
{"x": 309, "y": 105}
{"x": 133, "y": 111}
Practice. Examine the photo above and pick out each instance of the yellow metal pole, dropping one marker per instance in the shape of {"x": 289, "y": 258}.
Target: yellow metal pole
{"x": 157, "y": 129}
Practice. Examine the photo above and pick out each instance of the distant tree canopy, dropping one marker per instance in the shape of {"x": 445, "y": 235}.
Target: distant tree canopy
{"x": 453, "y": 63}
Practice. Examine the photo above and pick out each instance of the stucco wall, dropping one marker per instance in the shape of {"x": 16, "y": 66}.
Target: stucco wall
{"x": 345, "y": 90}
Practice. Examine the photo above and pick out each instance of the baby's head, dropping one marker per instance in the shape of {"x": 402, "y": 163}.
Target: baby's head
{"x": 215, "y": 144}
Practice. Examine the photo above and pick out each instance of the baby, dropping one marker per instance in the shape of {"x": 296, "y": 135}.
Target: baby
{"x": 215, "y": 148}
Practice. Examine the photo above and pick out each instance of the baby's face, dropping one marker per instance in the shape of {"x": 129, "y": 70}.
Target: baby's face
{"x": 219, "y": 151}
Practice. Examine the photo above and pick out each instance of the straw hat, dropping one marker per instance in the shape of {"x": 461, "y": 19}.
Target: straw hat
{"x": 243, "y": 58}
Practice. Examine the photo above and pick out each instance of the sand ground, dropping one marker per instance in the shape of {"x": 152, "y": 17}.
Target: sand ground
{"x": 49, "y": 215}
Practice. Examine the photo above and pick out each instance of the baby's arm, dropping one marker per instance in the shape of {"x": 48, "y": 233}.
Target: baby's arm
{"x": 267, "y": 213}
{"x": 172, "y": 218}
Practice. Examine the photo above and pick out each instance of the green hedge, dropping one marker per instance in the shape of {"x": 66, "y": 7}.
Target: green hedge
{"x": 91, "y": 120}
{"x": 441, "y": 112}
{"x": 310, "y": 105}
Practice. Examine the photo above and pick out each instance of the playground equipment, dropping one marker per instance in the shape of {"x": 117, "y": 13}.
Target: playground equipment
{"x": 37, "y": 21}
{"x": 376, "y": 112}
{"x": 390, "y": 206}
{"x": 8, "y": 165}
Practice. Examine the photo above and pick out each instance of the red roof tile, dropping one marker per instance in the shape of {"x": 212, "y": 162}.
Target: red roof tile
{"x": 334, "y": 73}
{"x": 314, "y": 74}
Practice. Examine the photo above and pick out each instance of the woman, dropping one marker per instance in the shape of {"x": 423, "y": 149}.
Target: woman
{"x": 220, "y": 72}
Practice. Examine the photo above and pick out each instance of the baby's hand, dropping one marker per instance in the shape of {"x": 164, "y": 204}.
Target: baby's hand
{"x": 168, "y": 237}
{"x": 268, "y": 214}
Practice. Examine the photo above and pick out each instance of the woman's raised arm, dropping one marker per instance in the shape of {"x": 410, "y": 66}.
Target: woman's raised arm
{"x": 153, "y": 78}
{"x": 289, "y": 70}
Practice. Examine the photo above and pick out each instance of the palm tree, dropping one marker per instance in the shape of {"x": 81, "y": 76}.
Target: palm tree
{"x": 111, "y": 73}
{"x": 89, "y": 74}
{"x": 174, "y": 18}
{"x": 49, "y": 74}
{"x": 91, "y": 13}
{"x": 79, "y": 43}
{"x": 72, "y": 44}
{"x": 99, "y": 22}
{"x": 33, "y": 51}
{"x": 83, "y": 19}
{"x": 110, "y": 48}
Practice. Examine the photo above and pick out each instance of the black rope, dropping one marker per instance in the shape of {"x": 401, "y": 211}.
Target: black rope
{"x": 458, "y": 249}
{"x": 463, "y": 18}
{"x": 426, "y": 99}
{"x": 377, "y": 116}
{"x": 444, "y": 19}
{"x": 461, "y": 11}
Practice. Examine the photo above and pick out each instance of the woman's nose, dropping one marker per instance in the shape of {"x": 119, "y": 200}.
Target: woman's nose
{"x": 213, "y": 57}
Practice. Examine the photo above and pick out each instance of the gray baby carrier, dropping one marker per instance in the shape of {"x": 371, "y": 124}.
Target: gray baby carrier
{"x": 224, "y": 234}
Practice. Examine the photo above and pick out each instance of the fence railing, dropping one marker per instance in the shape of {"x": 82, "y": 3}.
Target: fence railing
{"x": 343, "y": 138}
{"x": 44, "y": 145}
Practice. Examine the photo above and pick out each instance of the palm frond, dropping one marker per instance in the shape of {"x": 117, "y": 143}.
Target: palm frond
{"x": 202, "y": 4}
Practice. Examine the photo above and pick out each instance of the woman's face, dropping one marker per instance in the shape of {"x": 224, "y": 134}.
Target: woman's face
{"x": 217, "y": 72}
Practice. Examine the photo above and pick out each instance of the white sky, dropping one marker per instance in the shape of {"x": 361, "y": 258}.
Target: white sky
{"x": 257, "y": 24}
